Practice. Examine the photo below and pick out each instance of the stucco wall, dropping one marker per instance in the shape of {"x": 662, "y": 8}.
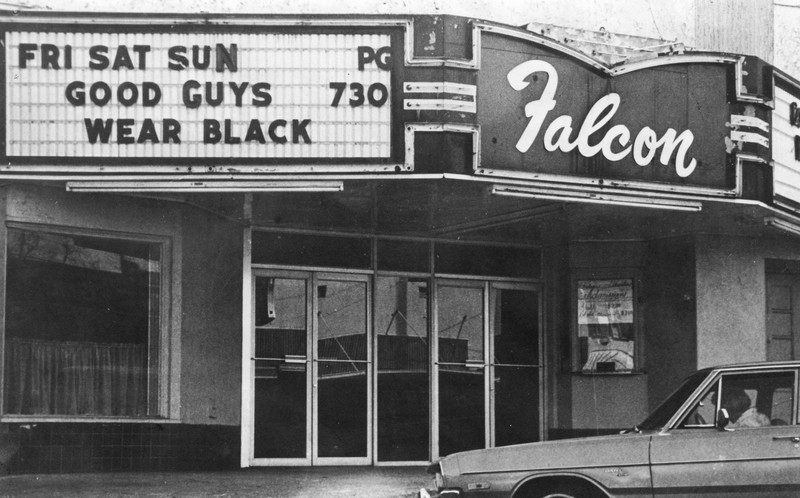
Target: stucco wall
{"x": 787, "y": 37}
{"x": 673, "y": 20}
{"x": 55, "y": 206}
{"x": 726, "y": 25}
{"x": 211, "y": 345}
{"x": 205, "y": 323}
{"x": 757, "y": 27}
{"x": 606, "y": 401}
{"x": 731, "y": 304}
{"x": 50, "y": 206}
{"x": 738, "y": 26}
{"x": 730, "y": 301}
{"x": 513, "y": 12}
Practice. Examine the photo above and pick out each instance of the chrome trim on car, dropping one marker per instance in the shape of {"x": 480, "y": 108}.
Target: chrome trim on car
{"x": 559, "y": 469}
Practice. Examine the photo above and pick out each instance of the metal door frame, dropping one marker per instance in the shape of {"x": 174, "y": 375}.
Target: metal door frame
{"x": 367, "y": 281}
{"x": 473, "y": 284}
{"x": 488, "y": 287}
{"x": 249, "y": 435}
{"x": 537, "y": 288}
{"x": 311, "y": 279}
{"x": 429, "y": 281}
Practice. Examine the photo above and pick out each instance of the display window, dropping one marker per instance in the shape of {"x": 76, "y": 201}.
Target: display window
{"x": 83, "y": 328}
{"x": 606, "y": 325}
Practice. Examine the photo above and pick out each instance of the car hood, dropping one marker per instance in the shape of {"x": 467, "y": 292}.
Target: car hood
{"x": 603, "y": 451}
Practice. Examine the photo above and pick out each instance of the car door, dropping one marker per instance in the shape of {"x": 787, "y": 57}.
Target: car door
{"x": 697, "y": 459}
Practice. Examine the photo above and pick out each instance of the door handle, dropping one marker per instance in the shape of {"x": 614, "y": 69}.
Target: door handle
{"x": 794, "y": 439}
{"x": 289, "y": 358}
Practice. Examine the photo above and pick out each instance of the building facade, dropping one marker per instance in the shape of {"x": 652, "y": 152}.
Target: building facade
{"x": 234, "y": 241}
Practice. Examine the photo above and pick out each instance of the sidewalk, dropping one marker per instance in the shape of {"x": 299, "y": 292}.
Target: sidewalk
{"x": 317, "y": 482}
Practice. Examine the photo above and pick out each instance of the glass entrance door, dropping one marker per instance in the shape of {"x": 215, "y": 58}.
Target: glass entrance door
{"x": 281, "y": 370}
{"x": 311, "y": 387}
{"x": 403, "y": 369}
{"x": 342, "y": 381}
{"x": 515, "y": 365}
{"x": 461, "y": 345}
{"x": 488, "y": 363}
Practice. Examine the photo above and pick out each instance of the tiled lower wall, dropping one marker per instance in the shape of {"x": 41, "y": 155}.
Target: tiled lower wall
{"x": 89, "y": 447}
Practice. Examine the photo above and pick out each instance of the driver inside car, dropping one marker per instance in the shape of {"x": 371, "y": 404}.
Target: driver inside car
{"x": 741, "y": 413}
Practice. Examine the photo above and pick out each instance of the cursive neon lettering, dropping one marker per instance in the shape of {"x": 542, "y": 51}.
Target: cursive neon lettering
{"x": 622, "y": 135}
{"x": 598, "y": 117}
{"x": 558, "y": 135}
{"x": 563, "y": 126}
{"x": 538, "y": 109}
{"x": 647, "y": 141}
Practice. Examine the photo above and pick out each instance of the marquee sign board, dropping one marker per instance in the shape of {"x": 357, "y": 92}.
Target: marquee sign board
{"x": 548, "y": 115}
{"x": 335, "y": 95}
{"x": 265, "y": 97}
{"x": 786, "y": 143}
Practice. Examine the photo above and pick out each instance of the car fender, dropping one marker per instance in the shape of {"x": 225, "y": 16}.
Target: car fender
{"x": 633, "y": 482}
{"x": 556, "y": 476}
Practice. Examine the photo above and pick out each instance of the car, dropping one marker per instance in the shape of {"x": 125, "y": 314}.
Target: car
{"x": 728, "y": 431}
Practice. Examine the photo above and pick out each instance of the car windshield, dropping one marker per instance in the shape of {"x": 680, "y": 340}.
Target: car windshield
{"x": 661, "y": 415}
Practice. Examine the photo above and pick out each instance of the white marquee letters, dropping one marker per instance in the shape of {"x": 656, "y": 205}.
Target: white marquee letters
{"x": 615, "y": 145}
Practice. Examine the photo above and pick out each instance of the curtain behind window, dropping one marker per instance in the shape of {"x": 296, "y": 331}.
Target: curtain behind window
{"x": 73, "y": 378}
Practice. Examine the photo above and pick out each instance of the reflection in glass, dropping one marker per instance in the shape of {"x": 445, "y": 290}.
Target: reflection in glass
{"x": 401, "y": 318}
{"x": 461, "y": 409}
{"x": 342, "y": 380}
{"x": 516, "y": 359}
{"x": 342, "y": 405}
{"x": 516, "y": 327}
{"x": 280, "y": 385}
{"x": 606, "y": 328}
{"x": 82, "y": 325}
{"x": 279, "y": 410}
{"x": 758, "y": 399}
{"x": 297, "y": 249}
{"x": 461, "y": 374}
{"x": 516, "y": 405}
{"x": 472, "y": 259}
{"x": 460, "y": 324}
{"x": 342, "y": 321}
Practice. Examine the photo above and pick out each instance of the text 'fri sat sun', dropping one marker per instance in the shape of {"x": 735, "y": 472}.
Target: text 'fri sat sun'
{"x": 140, "y": 93}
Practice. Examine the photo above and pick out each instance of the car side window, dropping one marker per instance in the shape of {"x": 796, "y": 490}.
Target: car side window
{"x": 782, "y": 405}
{"x": 758, "y": 399}
{"x": 753, "y": 399}
{"x": 703, "y": 412}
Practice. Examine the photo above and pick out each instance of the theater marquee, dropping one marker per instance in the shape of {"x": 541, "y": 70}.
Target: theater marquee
{"x": 267, "y": 98}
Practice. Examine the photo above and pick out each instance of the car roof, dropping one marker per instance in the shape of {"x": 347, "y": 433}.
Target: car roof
{"x": 754, "y": 365}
